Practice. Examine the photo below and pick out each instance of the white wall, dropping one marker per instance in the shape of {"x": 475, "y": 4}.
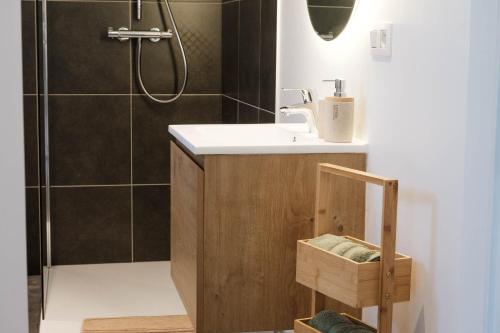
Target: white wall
{"x": 494, "y": 302}
{"x": 429, "y": 115}
{"x": 13, "y": 294}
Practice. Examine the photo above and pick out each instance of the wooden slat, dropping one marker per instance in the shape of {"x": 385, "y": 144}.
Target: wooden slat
{"x": 301, "y": 326}
{"x": 333, "y": 214}
{"x": 187, "y": 231}
{"x": 165, "y": 324}
{"x": 388, "y": 251}
{"x": 353, "y": 174}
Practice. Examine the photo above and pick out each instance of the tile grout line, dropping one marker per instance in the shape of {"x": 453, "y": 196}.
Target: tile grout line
{"x": 247, "y": 104}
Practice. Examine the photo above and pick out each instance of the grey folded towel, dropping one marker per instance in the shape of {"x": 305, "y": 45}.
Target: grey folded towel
{"x": 326, "y": 319}
{"x": 345, "y": 248}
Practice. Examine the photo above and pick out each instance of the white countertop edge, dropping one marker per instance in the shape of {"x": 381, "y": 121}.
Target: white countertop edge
{"x": 357, "y": 146}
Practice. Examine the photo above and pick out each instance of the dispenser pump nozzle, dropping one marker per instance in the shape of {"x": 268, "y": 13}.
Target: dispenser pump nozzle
{"x": 340, "y": 85}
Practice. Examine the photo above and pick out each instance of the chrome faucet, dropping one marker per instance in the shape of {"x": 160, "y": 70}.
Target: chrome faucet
{"x": 306, "y": 94}
{"x": 304, "y": 109}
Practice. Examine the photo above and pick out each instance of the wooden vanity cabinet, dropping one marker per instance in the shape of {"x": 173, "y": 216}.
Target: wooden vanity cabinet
{"x": 235, "y": 224}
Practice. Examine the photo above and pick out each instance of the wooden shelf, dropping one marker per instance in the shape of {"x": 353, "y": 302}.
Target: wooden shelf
{"x": 352, "y": 283}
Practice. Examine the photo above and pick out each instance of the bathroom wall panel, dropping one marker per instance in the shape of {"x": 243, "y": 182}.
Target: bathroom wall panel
{"x": 266, "y": 117}
{"x": 29, "y": 47}
{"x": 30, "y": 140}
{"x": 249, "y": 29}
{"x": 90, "y": 140}
{"x": 91, "y": 225}
{"x": 230, "y": 32}
{"x": 82, "y": 60}
{"x": 247, "y": 114}
{"x": 151, "y": 223}
{"x": 229, "y": 110}
{"x": 249, "y": 51}
{"x": 268, "y": 55}
{"x": 33, "y": 231}
{"x": 151, "y": 146}
{"x": 200, "y": 38}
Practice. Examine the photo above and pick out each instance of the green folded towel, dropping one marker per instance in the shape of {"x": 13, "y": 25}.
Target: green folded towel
{"x": 327, "y": 241}
{"x": 326, "y": 319}
{"x": 329, "y": 321}
{"x": 343, "y": 247}
{"x": 361, "y": 253}
{"x": 348, "y": 328}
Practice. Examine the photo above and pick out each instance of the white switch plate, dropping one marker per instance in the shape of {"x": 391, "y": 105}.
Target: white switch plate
{"x": 381, "y": 40}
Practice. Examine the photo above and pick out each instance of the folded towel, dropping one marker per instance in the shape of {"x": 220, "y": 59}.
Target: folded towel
{"x": 343, "y": 247}
{"x": 326, "y": 319}
{"x": 327, "y": 241}
{"x": 348, "y": 328}
{"x": 361, "y": 253}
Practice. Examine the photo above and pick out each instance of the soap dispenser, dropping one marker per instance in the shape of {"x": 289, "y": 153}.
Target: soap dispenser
{"x": 336, "y": 115}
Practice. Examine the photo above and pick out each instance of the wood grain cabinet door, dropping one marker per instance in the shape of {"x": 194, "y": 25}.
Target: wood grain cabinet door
{"x": 187, "y": 187}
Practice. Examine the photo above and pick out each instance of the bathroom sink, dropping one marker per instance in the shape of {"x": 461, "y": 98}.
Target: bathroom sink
{"x": 257, "y": 139}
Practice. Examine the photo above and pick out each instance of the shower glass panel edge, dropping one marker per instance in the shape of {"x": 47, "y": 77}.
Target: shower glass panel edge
{"x": 44, "y": 160}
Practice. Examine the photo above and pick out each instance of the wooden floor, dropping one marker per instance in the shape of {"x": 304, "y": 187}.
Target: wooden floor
{"x": 165, "y": 324}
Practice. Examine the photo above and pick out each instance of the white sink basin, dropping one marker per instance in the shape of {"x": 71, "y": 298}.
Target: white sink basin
{"x": 257, "y": 139}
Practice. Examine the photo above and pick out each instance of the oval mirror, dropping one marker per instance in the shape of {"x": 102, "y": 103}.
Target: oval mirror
{"x": 330, "y": 17}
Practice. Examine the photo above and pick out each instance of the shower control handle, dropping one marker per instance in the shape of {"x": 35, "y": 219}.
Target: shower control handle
{"x": 124, "y": 34}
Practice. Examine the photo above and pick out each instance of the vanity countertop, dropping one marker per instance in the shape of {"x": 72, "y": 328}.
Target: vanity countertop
{"x": 257, "y": 139}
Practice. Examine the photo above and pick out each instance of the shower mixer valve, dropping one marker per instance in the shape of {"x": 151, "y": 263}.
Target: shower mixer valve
{"x": 123, "y": 34}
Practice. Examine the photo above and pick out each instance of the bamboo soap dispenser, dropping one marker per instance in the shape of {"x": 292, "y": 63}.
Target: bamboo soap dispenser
{"x": 336, "y": 115}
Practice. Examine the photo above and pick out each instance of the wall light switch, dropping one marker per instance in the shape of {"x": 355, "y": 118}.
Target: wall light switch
{"x": 381, "y": 40}
{"x": 375, "y": 39}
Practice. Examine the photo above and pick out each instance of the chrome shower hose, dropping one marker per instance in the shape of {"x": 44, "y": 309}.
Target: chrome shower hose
{"x": 139, "y": 58}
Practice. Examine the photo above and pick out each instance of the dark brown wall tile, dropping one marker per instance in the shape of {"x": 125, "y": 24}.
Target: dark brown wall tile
{"x": 31, "y": 140}
{"x": 91, "y": 225}
{"x": 82, "y": 59}
{"x": 199, "y": 25}
{"x": 90, "y": 140}
{"x": 29, "y": 47}
{"x": 247, "y": 114}
{"x": 230, "y": 29}
{"x": 266, "y": 117}
{"x": 33, "y": 231}
{"x": 151, "y": 223}
{"x": 252, "y": 77}
{"x": 249, "y": 51}
{"x": 151, "y": 141}
{"x": 268, "y": 55}
{"x": 229, "y": 111}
